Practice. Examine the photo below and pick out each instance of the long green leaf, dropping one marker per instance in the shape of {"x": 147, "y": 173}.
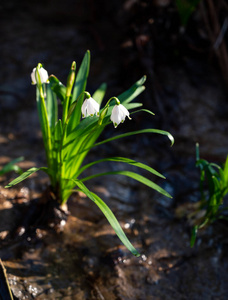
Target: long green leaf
{"x": 52, "y": 107}
{"x": 25, "y": 175}
{"x": 72, "y": 137}
{"x": 82, "y": 75}
{"x": 133, "y": 91}
{"x": 110, "y": 217}
{"x": 123, "y": 160}
{"x": 79, "y": 87}
{"x": 148, "y": 130}
{"x": 133, "y": 105}
{"x": 144, "y": 110}
{"x": 99, "y": 94}
{"x": 133, "y": 175}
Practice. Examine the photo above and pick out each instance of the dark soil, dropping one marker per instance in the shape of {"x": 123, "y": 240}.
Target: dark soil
{"x": 84, "y": 259}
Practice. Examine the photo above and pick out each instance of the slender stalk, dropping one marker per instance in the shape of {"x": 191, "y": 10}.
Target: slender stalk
{"x": 44, "y": 123}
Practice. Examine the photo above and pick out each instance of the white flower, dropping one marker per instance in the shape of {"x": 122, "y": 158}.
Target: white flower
{"x": 119, "y": 114}
{"x": 90, "y": 107}
{"x": 43, "y": 75}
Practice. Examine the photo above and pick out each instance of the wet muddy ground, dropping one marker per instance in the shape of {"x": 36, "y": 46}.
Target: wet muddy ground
{"x": 85, "y": 260}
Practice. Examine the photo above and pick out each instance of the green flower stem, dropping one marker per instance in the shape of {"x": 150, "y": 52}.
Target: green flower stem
{"x": 105, "y": 110}
{"x": 44, "y": 123}
{"x": 113, "y": 98}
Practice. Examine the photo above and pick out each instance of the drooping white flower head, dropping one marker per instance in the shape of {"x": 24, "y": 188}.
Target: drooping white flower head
{"x": 90, "y": 107}
{"x": 43, "y": 75}
{"x": 119, "y": 113}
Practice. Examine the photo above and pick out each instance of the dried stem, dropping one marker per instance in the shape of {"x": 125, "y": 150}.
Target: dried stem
{"x": 5, "y": 291}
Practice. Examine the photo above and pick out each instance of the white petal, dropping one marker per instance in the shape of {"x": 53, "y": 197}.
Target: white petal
{"x": 84, "y": 108}
{"x": 115, "y": 116}
{"x": 89, "y": 107}
{"x": 124, "y": 110}
{"x": 119, "y": 114}
{"x": 43, "y": 75}
{"x": 33, "y": 76}
{"x": 92, "y": 106}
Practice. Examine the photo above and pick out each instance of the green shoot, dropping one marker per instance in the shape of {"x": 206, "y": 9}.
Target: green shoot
{"x": 213, "y": 187}
{"x": 12, "y": 166}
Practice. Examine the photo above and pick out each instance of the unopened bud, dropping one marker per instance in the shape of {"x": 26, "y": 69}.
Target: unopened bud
{"x": 71, "y": 79}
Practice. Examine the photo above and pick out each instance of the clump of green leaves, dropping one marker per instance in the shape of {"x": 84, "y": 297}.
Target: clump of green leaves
{"x": 69, "y": 138}
{"x": 213, "y": 187}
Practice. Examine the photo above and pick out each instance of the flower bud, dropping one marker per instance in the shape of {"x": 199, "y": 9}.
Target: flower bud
{"x": 43, "y": 74}
{"x": 70, "y": 79}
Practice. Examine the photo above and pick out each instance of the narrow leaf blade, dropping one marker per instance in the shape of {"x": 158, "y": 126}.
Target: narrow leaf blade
{"x": 25, "y": 175}
{"x": 133, "y": 91}
{"x": 149, "y": 130}
{"x": 52, "y": 107}
{"x": 123, "y": 160}
{"x": 100, "y": 93}
{"x": 135, "y": 176}
{"x": 110, "y": 217}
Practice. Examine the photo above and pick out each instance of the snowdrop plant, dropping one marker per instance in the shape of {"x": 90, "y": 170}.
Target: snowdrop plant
{"x": 69, "y": 138}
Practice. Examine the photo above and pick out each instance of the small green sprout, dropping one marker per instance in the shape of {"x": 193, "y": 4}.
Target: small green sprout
{"x": 68, "y": 140}
{"x": 12, "y": 166}
{"x": 213, "y": 187}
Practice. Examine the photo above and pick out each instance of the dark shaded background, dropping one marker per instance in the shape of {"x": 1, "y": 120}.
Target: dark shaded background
{"x": 127, "y": 39}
